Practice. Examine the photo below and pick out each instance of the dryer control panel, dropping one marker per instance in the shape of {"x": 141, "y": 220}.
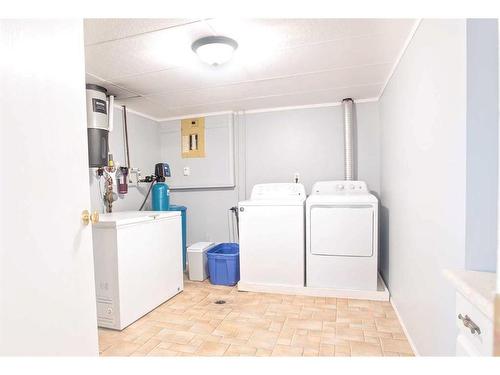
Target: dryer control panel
{"x": 337, "y": 187}
{"x": 278, "y": 191}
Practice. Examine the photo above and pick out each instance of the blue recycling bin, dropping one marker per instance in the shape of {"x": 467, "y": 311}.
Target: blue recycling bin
{"x": 183, "y": 210}
{"x": 224, "y": 264}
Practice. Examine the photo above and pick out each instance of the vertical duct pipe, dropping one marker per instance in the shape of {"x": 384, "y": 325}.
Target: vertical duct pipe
{"x": 347, "y": 104}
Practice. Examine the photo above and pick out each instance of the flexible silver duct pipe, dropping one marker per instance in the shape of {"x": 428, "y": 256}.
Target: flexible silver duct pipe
{"x": 348, "y": 140}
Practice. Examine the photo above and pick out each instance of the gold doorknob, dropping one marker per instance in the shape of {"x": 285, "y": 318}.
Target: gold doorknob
{"x": 87, "y": 217}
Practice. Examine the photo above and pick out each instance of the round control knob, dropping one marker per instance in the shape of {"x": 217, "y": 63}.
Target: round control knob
{"x": 340, "y": 187}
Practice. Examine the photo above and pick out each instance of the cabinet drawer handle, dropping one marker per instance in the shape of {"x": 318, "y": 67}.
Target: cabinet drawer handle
{"x": 469, "y": 324}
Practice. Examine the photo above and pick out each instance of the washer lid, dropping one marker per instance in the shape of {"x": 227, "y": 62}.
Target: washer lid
{"x": 278, "y": 192}
{"x": 273, "y": 202}
{"x": 132, "y": 217}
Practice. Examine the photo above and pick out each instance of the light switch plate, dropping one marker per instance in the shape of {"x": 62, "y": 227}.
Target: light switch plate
{"x": 187, "y": 171}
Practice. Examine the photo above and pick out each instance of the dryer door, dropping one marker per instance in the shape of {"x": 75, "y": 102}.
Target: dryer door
{"x": 342, "y": 230}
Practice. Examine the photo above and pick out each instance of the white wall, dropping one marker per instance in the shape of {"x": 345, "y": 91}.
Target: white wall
{"x": 423, "y": 155}
{"x": 144, "y": 146}
{"x": 271, "y": 147}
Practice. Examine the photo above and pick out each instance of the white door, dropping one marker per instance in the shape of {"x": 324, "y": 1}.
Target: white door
{"x": 47, "y": 293}
{"x": 342, "y": 230}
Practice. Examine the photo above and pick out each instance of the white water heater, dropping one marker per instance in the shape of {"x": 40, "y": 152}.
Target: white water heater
{"x": 99, "y": 120}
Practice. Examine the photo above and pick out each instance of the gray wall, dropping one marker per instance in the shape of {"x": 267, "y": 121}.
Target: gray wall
{"x": 271, "y": 147}
{"x": 144, "y": 145}
{"x": 482, "y": 144}
{"x": 310, "y": 142}
{"x": 423, "y": 156}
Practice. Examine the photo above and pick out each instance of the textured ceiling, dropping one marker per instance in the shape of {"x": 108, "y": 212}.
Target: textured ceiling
{"x": 148, "y": 63}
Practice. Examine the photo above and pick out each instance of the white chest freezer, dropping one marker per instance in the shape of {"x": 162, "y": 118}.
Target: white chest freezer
{"x": 138, "y": 264}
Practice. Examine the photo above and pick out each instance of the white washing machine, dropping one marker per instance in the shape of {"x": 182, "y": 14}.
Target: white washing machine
{"x": 272, "y": 235}
{"x": 342, "y": 236}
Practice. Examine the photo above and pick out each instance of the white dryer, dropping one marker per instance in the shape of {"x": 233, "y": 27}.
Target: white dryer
{"x": 342, "y": 236}
{"x": 272, "y": 235}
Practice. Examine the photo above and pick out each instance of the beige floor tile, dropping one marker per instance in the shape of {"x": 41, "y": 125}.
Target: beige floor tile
{"x": 375, "y": 333}
{"x": 342, "y": 350}
{"x": 121, "y": 348}
{"x": 212, "y": 349}
{"x": 286, "y": 351}
{"x": 263, "y": 339}
{"x": 372, "y": 340}
{"x": 202, "y": 327}
{"x": 161, "y": 352}
{"x": 365, "y": 349}
{"x": 303, "y": 324}
{"x": 388, "y": 325}
{"x": 240, "y": 350}
{"x": 326, "y": 350}
{"x": 263, "y": 352}
{"x": 145, "y": 348}
{"x": 258, "y": 324}
{"x": 399, "y": 335}
{"x": 310, "y": 352}
{"x": 396, "y": 345}
{"x": 351, "y": 334}
{"x": 175, "y": 337}
{"x": 183, "y": 348}
{"x": 276, "y": 326}
{"x": 306, "y": 341}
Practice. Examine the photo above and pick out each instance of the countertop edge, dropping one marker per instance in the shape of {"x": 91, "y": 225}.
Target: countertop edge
{"x": 473, "y": 292}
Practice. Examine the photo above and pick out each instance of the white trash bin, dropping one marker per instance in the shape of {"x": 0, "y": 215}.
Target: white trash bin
{"x": 197, "y": 260}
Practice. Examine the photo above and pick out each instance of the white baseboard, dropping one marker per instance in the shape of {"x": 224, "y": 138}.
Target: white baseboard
{"x": 407, "y": 334}
{"x": 382, "y": 294}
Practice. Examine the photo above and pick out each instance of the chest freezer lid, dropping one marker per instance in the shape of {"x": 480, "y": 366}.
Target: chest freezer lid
{"x": 132, "y": 217}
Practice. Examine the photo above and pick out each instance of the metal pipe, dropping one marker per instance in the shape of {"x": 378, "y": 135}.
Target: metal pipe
{"x": 348, "y": 139}
{"x": 125, "y": 128}
{"x": 111, "y": 105}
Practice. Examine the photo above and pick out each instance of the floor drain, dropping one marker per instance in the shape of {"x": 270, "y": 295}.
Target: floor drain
{"x": 220, "y": 302}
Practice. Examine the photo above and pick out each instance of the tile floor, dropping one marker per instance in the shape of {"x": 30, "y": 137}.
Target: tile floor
{"x": 259, "y": 324}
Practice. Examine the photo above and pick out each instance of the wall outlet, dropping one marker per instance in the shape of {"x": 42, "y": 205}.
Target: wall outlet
{"x": 187, "y": 171}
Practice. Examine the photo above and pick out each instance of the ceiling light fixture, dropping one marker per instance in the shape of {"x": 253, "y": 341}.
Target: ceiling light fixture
{"x": 214, "y": 50}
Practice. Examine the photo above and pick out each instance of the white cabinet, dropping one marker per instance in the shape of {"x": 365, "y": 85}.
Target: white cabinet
{"x": 473, "y": 316}
{"x": 475, "y": 329}
{"x": 138, "y": 264}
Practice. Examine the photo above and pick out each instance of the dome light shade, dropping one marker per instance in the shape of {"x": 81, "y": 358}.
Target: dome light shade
{"x": 214, "y": 50}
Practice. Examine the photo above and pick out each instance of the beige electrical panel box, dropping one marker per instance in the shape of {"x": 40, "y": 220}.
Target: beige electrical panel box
{"x": 193, "y": 137}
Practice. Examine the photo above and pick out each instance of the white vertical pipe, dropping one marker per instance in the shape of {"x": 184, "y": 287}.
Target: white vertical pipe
{"x": 348, "y": 139}
{"x": 111, "y": 104}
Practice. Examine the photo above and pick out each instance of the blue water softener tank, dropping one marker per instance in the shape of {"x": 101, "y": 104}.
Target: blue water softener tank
{"x": 161, "y": 191}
